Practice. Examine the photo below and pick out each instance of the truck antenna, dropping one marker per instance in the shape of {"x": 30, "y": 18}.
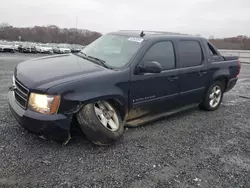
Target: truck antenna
{"x": 142, "y": 34}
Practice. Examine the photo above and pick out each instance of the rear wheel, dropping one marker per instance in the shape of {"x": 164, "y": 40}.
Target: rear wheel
{"x": 101, "y": 122}
{"x": 213, "y": 96}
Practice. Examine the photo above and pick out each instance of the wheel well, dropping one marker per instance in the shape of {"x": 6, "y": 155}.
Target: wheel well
{"x": 119, "y": 106}
{"x": 223, "y": 80}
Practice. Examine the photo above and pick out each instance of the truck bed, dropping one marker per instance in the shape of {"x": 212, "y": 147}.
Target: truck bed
{"x": 230, "y": 58}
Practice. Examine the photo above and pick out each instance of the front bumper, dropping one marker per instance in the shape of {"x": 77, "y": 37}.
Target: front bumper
{"x": 6, "y": 50}
{"x": 56, "y": 127}
{"x": 27, "y": 50}
{"x": 231, "y": 83}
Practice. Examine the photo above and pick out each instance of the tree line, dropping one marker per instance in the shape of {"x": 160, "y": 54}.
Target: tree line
{"x": 240, "y": 42}
{"x": 48, "y": 34}
{"x": 54, "y": 34}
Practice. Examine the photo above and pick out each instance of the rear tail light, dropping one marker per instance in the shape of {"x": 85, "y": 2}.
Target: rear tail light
{"x": 239, "y": 67}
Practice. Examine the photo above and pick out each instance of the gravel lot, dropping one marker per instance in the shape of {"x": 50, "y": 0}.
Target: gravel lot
{"x": 191, "y": 149}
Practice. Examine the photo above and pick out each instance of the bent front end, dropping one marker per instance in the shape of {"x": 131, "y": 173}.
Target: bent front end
{"x": 56, "y": 126}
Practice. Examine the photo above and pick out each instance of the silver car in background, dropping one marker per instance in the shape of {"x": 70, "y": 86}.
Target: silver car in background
{"x": 44, "y": 48}
{"x": 6, "y": 46}
{"x": 61, "y": 49}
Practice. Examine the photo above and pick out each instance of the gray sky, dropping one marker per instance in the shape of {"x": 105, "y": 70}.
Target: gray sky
{"x": 206, "y": 17}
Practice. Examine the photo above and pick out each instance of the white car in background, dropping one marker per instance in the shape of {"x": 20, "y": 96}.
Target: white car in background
{"x": 6, "y": 46}
{"x": 44, "y": 48}
{"x": 16, "y": 46}
{"x": 61, "y": 49}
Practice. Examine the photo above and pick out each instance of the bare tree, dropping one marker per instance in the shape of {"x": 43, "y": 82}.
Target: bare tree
{"x": 48, "y": 34}
{"x": 4, "y": 24}
{"x": 211, "y": 37}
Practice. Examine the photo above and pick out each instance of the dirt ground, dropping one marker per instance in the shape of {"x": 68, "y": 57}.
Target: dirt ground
{"x": 191, "y": 149}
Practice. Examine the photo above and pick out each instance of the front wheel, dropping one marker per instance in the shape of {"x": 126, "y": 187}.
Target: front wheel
{"x": 101, "y": 122}
{"x": 213, "y": 97}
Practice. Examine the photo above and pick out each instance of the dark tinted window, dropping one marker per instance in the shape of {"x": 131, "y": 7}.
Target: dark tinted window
{"x": 163, "y": 53}
{"x": 190, "y": 53}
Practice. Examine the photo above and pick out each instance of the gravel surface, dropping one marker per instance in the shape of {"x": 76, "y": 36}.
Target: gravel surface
{"x": 191, "y": 149}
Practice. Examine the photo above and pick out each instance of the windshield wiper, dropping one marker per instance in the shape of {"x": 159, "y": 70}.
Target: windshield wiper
{"x": 100, "y": 61}
{"x": 83, "y": 53}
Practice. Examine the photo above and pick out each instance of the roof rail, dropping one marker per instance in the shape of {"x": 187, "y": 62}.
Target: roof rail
{"x": 156, "y": 32}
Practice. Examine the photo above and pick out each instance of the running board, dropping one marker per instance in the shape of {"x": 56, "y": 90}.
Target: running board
{"x": 147, "y": 119}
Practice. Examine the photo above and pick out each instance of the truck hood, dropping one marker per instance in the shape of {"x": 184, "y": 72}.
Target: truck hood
{"x": 6, "y": 46}
{"x": 46, "y": 48}
{"x": 26, "y": 46}
{"x": 64, "y": 48}
{"x": 43, "y": 73}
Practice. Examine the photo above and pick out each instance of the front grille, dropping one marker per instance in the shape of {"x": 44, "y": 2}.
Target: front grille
{"x": 21, "y": 94}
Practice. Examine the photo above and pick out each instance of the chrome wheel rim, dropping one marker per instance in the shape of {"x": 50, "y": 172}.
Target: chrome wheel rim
{"x": 215, "y": 96}
{"x": 107, "y": 115}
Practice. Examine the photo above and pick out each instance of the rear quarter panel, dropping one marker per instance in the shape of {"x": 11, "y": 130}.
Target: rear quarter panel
{"x": 227, "y": 69}
{"x": 219, "y": 67}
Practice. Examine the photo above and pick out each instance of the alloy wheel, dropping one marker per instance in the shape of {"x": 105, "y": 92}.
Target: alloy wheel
{"x": 215, "y": 96}
{"x": 107, "y": 115}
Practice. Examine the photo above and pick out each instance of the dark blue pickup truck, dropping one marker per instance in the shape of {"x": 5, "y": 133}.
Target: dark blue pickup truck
{"x": 124, "y": 78}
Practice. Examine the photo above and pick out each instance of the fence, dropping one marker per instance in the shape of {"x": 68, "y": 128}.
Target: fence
{"x": 243, "y": 54}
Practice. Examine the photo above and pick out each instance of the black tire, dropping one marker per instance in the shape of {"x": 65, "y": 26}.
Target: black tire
{"x": 205, "y": 104}
{"x": 94, "y": 129}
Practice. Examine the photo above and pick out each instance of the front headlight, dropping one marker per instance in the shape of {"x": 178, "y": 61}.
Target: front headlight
{"x": 45, "y": 104}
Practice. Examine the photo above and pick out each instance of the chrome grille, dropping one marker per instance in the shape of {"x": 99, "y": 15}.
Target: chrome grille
{"x": 21, "y": 94}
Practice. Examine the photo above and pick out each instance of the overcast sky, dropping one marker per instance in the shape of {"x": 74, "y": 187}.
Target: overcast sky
{"x": 221, "y": 18}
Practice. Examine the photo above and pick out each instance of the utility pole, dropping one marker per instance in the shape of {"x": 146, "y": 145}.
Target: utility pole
{"x": 76, "y": 27}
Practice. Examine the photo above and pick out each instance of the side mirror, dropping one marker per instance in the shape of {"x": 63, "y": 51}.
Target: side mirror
{"x": 149, "y": 67}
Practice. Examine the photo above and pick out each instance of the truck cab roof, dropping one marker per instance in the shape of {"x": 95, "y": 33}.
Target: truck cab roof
{"x": 148, "y": 35}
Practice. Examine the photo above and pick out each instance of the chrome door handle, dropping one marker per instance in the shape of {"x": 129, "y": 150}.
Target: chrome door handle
{"x": 173, "y": 78}
{"x": 201, "y": 73}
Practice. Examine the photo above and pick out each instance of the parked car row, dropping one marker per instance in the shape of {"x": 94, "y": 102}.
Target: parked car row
{"x": 30, "y": 47}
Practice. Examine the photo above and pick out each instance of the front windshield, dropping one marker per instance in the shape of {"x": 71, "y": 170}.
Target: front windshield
{"x": 26, "y": 44}
{"x": 44, "y": 45}
{"x": 63, "y": 46}
{"x": 115, "y": 50}
{"x": 6, "y": 43}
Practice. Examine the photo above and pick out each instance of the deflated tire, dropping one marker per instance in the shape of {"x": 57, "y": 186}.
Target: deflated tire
{"x": 101, "y": 122}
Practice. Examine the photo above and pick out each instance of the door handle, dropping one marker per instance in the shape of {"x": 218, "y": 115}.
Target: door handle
{"x": 173, "y": 78}
{"x": 201, "y": 73}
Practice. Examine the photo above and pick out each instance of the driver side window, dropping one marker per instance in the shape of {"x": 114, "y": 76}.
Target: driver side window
{"x": 163, "y": 53}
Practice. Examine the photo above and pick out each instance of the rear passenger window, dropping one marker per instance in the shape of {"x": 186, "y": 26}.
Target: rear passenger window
{"x": 163, "y": 53}
{"x": 190, "y": 53}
